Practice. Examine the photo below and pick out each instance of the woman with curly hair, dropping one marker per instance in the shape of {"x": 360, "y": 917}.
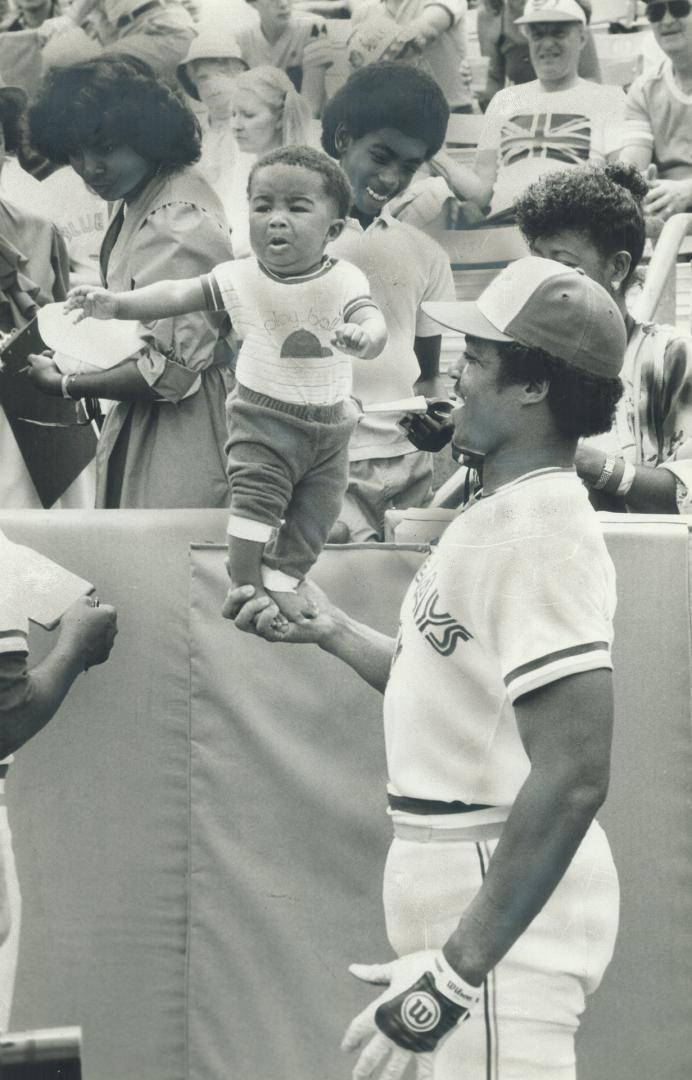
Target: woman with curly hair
{"x": 132, "y": 141}
{"x": 592, "y": 218}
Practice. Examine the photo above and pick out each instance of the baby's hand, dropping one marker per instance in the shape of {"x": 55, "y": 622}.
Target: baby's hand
{"x": 354, "y": 339}
{"x": 91, "y": 301}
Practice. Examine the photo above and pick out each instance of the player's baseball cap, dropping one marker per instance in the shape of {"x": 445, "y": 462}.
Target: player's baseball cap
{"x": 543, "y": 11}
{"x": 545, "y": 305}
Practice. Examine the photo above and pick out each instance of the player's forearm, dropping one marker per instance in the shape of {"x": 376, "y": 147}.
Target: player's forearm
{"x": 121, "y": 383}
{"x": 541, "y": 835}
{"x": 162, "y": 300}
{"x": 46, "y": 687}
{"x": 365, "y": 650}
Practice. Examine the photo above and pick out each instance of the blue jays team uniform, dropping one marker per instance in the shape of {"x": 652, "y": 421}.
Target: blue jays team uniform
{"x": 519, "y": 593}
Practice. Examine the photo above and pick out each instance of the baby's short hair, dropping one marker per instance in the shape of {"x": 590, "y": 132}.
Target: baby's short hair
{"x": 334, "y": 179}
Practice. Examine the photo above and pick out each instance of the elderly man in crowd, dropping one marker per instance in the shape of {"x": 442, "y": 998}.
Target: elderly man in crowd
{"x": 557, "y": 121}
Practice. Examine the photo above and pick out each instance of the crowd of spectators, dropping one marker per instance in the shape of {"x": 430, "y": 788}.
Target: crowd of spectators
{"x": 129, "y": 153}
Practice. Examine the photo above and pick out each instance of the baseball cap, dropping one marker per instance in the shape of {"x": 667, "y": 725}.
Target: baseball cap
{"x": 545, "y": 305}
{"x": 542, "y": 11}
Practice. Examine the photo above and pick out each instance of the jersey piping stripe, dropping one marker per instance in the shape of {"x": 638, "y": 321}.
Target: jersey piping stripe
{"x": 489, "y": 994}
{"x": 550, "y": 658}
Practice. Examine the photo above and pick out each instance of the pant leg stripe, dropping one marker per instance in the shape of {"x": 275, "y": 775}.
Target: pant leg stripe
{"x": 489, "y": 994}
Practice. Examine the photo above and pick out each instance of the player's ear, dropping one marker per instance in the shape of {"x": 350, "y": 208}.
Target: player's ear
{"x": 535, "y": 390}
{"x": 335, "y": 229}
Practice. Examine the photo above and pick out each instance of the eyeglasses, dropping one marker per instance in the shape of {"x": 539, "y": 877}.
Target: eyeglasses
{"x": 678, "y": 9}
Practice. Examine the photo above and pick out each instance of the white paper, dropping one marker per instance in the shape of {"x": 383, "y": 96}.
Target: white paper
{"x": 91, "y": 343}
{"x": 41, "y": 588}
{"x": 417, "y": 404}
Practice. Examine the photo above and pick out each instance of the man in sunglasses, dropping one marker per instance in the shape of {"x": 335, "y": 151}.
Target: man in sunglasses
{"x": 658, "y": 117}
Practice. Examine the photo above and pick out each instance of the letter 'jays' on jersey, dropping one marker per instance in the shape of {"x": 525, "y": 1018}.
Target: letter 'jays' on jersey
{"x": 519, "y": 593}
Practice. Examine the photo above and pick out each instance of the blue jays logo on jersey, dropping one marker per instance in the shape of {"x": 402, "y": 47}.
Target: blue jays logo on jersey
{"x": 438, "y": 627}
{"x": 563, "y": 137}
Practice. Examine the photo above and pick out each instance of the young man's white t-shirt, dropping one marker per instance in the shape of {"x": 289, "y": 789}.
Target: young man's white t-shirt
{"x": 404, "y": 267}
{"x": 534, "y": 132}
{"x": 519, "y": 593}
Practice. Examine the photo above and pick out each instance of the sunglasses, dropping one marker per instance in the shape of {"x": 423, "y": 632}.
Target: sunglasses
{"x": 679, "y": 9}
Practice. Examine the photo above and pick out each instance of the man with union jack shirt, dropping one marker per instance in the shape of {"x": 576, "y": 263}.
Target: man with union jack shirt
{"x": 558, "y": 121}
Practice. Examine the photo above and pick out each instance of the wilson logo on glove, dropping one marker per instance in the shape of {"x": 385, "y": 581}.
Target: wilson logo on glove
{"x": 420, "y": 1012}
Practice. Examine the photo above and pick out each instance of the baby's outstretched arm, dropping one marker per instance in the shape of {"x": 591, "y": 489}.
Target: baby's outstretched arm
{"x": 365, "y": 335}
{"x": 161, "y": 300}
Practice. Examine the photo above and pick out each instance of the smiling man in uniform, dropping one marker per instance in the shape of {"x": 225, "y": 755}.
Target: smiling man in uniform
{"x": 500, "y": 893}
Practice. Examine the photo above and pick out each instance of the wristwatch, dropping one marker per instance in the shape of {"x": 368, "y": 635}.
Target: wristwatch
{"x": 66, "y": 383}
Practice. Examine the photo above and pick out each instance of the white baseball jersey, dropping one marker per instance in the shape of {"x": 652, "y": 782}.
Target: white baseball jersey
{"x": 520, "y": 592}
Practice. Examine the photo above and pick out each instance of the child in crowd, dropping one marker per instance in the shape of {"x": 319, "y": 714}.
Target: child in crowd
{"x": 291, "y": 415}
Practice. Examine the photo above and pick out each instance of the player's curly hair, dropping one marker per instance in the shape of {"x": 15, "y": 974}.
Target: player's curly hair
{"x": 581, "y": 403}
{"x": 603, "y": 203}
{"x": 334, "y": 179}
{"x": 387, "y": 94}
{"x": 115, "y": 99}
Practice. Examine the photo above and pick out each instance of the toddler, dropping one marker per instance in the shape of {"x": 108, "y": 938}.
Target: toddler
{"x": 291, "y": 414}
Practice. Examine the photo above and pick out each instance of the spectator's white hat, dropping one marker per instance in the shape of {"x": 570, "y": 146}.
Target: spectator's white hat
{"x": 544, "y": 305}
{"x": 212, "y": 43}
{"x": 542, "y": 11}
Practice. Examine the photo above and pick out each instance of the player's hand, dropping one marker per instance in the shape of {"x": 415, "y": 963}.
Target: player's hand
{"x": 425, "y": 998}
{"x": 432, "y": 430}
{"x": 90, "y": 301}
{"x": 44, "y": 373}
{"x": 88, "y": 629}
{"x": 243, "y": 607}
{"x": 667, "y": 197}
{"x": 353, "y": 339}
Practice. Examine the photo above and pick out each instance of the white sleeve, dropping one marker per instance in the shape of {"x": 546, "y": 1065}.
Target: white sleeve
{"x": 456, "y": 8}
{"x": 356, "y": 291}
{"x": 637, "y": 122}
{"x": 543, "y": 604}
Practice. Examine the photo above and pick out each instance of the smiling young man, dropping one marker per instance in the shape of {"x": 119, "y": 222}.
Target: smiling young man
{"x": 556, "y": 122}
{"x": 382, "y": 125}
{"x": 500, "y": 893}
{"x": 658, "y": 115}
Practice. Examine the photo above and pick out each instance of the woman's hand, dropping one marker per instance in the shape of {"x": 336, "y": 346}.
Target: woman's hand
{"x": 91, "y": 302}
{"x": 45, "y": 374}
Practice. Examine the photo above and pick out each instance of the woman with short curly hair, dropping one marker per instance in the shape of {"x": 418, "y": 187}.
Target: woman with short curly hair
{"x": 592, "y": 218}
{"x": 132, "y": 140}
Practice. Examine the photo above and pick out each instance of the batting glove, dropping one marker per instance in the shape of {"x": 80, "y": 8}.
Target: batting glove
{"x": 425, "y": 998}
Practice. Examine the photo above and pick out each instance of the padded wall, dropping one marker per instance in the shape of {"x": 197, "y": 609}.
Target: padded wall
{"x": 201, "y": 831}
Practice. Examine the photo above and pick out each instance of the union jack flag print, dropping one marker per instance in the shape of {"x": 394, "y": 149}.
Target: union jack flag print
{"x": 564, "y": 137}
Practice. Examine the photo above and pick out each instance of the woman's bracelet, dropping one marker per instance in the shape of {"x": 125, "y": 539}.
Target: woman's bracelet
{"x": 627, "y": 479}
{"x": 609, "y": 466}
{"x": 66, "y": 383}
